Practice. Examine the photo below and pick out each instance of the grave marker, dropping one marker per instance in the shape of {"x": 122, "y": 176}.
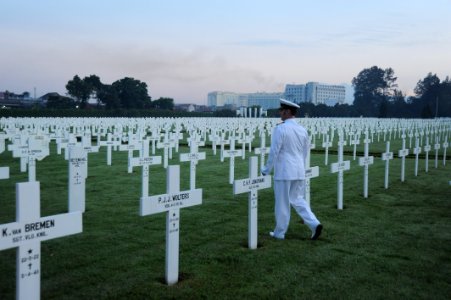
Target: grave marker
{"x": 403, "y": 153}
{"x": 171, "y": 203}
{"x": 436, "y": 148}
{"x": 387, "y": 156}
{"x": 365, "y": 162}
{"x": 27, "y": 233}
{"x": 262, "y": 150}
{"x": 427, "y": 148}
{"x": 251, "y": 186}
{"x": 232, "y": 153}
{"x": 193, "y": 157}
{"x": 78, "y": 172}
{"x": 417, "y": 151}
{"x": 109, "y": 143}
{"x": 445, "y": 146}
{"x": 339, "y": 167}
{"x": 326, "y": 145}
{"x": 310, "y": 172}
{"x": 145, "y": 161}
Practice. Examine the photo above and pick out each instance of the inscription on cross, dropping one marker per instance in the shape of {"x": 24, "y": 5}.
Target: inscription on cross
{"x": 193, "y": 157}
{"x": 403, "y": 153}
{"x": 232, "y": 153}
{"x": 27, "y": 233}
{"x": 251, "y": 186}
{"x": 171, "y": 203}
{"x": 387, "y": 156}
{"x": 262, "y": 150}
{"x": 310, "y": 172}
{"x": 427, "y": 149}
{"x": 339, "y": 167}
{"x": 78, "y": 172}
{"x": 145, "y": 161}
{"x": 365, "y": 162}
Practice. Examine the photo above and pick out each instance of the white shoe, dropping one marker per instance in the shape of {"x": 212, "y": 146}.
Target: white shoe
{"x": 276, "y": 237}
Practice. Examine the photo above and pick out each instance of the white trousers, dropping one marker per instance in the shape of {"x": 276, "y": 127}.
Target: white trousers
{"x": 292, "y": 192}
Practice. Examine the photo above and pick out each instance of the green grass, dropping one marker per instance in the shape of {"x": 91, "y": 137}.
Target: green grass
{"x": 395, "y": 244}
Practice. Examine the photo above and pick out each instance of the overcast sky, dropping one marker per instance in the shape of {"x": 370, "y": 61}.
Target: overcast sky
{"x": 184, "y": 49}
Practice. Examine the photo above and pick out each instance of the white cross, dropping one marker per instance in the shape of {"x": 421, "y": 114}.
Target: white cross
{"x": 132, "y": 145}
{"x": 262, "y": 150}
{"x": 427, "y": 148}
{"x": 232, "y": 153}
{"x": 144, "y": 161}
{"x": 416, "y": 151}
{"x": 36, "y": 149}
{"x": 403, "y": 153}
{"x": 78, "y": 172}
{"x": 326, "y": 145}
{"x": 27, "y": 233}
{"x": 166, "y": 145}
{"x": 4, "y": 172}
{"x": 251, "y": 186}
{"x": 109, "y": 143}
{"x": 155, "y": 137}
{"x": 445, "y": 146}
{"x": 387, "y": 156}
{"x": 365, "y": 161}
{"x": 339, "y": 167}
{"x": 19, "y": 148}
{"x": 193, "y": 157}
{"x": 310, "y": 172}
{"x": 171, "y": 203}
{"x": 2, "y": 141}
{"x": 355, "y": 142}
{"x": 222, "y": 142}
{"x": 213, "y": 139}
{"x": 436, "y": 148}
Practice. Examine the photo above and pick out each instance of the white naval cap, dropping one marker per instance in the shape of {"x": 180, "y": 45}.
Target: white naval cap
{"x": 284, "y": 102}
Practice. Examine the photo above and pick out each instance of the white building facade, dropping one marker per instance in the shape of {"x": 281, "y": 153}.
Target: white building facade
{"x": 312, "y": 92}
{"x": 316, "y": 93}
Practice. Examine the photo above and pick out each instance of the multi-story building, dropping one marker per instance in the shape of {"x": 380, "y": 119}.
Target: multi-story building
{"x": 218, "y": 99}
{"x": 295, "y": 93}
{"x": 229, "y": 99}
{"x": 327, "y": 94}
{"x": 265, "y": 100}
{"x": 312, "y": 92}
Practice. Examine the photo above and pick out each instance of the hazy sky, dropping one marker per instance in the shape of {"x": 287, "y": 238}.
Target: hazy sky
{"x": 184, "y": 49}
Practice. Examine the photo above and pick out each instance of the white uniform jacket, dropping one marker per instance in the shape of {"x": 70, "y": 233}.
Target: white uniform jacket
{"x": 290, "y": 144}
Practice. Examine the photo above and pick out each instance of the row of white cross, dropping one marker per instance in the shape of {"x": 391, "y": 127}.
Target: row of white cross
{"x": 30, "y": 229}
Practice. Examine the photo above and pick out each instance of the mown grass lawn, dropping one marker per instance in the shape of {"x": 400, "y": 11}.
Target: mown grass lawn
{"x": 396, "y": 244}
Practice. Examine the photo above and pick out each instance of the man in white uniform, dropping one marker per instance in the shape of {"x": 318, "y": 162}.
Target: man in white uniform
{"x": 289, "y": 147}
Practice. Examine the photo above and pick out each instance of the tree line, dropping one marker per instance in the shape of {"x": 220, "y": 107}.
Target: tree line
{"x": 124, "y": 94}
{"x": 376, "y": 95}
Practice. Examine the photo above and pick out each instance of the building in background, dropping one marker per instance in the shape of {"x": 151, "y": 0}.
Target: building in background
{"x": 316, "y": 93}
{"x": 232, "y": 100}
{"x": 311, "y": 92}
{"x": 295, "y": 93}
{"x": 264, "y": 100}
{"x": 220, "y": 99}
{"x": 327, "y": 94}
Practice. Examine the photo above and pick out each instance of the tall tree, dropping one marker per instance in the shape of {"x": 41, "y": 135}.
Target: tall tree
{"x": 132, "y": 93}
{"x": 80, "y": 90}
{"x": 373, "y": 87}
{"x": 108, "y": 96}
{"x": 433, "y": 96}
{"x": 163, "y": 103}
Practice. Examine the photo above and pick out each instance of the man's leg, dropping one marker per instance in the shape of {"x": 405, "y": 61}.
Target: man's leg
{"x": 297, "y": 200}
{"x": 281, "y": 207}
